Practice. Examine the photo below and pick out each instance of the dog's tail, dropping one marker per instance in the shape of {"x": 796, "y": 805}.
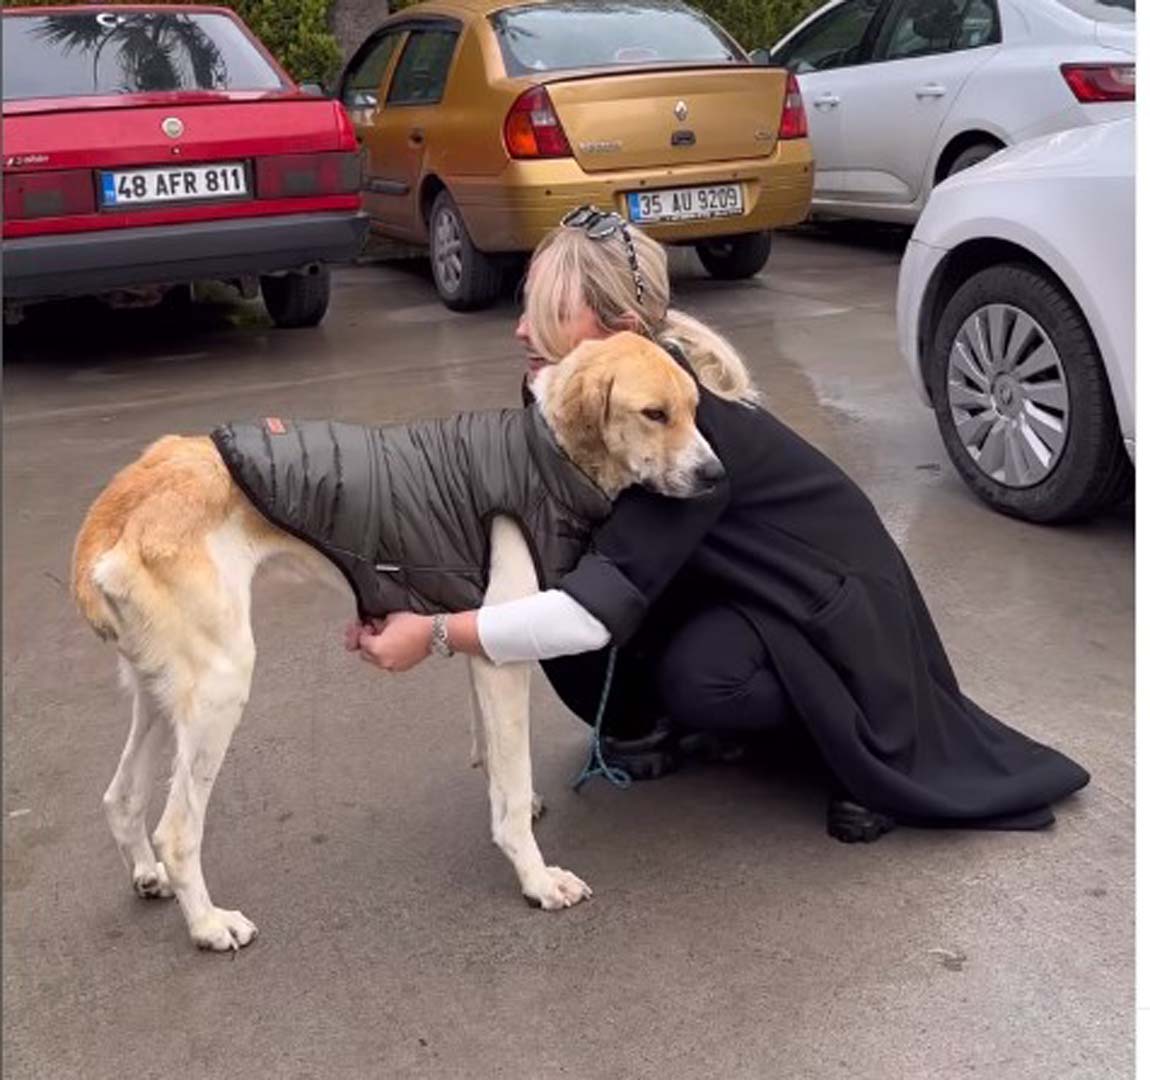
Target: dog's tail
{"x": 149, "y": 514}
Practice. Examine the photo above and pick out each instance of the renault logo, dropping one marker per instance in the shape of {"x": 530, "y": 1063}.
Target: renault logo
{"x": 680, "y": 111}
{"x": 172, "y": 126}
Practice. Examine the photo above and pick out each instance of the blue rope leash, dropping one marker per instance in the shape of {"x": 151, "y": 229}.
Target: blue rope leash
{"x": 596, "y": 766}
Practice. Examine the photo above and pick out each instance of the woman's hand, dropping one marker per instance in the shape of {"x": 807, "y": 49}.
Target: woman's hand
{"x": 394, "y": 644}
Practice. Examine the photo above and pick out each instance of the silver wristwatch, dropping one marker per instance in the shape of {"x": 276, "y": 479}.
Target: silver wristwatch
{"x": 439, "y": 643}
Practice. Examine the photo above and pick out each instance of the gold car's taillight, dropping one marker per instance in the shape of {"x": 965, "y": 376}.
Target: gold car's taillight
{"x": 532, "y": 130}
{"x": 793, "y": 124}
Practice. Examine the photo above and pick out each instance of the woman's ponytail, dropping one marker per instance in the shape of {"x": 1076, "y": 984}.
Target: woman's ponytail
{"x": 711, "y": 356}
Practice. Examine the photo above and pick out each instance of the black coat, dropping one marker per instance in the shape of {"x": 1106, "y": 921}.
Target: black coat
{"x": 794, "y": 544}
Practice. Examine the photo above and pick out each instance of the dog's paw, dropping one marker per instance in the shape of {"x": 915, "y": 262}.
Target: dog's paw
{"x": 538, "y": 807}
{"x": 221, "y": 930}
{"x": 557, "y": 889}
{"x": 152, "y": 884}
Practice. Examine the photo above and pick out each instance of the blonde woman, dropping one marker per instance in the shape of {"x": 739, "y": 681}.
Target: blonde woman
{"x": 777, "y": 601}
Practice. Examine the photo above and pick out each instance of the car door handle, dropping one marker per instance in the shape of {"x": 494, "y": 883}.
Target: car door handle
{"x": 827, "y": 101}
{"x": 930, "y": 90}
{"x": 416, "y": 136}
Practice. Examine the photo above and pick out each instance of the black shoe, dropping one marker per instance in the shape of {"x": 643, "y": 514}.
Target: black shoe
{"x": 646, "y": 758}
{"x": 854, "y": 824}
{"x": 708, "y": 748}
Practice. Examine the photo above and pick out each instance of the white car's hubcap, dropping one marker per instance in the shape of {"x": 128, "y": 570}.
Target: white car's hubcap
{"x": 1007, "y": 392}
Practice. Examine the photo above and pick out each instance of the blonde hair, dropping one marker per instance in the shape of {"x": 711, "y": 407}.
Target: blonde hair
{"x": 570, "y": 269}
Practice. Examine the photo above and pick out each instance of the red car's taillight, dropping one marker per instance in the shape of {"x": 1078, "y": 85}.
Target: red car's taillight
{"x": 49, "y": 194}
{"x": 1100, "y": 82}
{"x": 288, "y": 176}
{"x": 793, "y": 124}
{"x": 532, "y": 130}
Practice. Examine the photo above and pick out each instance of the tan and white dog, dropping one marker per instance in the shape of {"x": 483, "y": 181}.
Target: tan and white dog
{"x": 163, "y": 566}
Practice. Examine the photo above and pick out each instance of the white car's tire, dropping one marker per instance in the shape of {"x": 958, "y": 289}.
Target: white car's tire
{"x": 1022, "y": 399}
{"x": 971, "y": 156}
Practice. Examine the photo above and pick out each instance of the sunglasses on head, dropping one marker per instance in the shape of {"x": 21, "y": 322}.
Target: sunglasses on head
{"x": 602, "y": 224}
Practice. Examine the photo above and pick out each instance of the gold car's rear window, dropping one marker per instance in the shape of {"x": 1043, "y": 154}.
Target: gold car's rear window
{"x": 580, "y": 34}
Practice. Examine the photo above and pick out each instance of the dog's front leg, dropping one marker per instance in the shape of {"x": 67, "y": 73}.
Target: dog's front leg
{"x": 502, "y": 698}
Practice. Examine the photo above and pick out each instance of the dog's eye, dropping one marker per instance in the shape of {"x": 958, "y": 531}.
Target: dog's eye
{"x": 655, "y": 415}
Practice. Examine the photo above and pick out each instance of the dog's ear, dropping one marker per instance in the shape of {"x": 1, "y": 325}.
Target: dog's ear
{"x": 583, "y": 406}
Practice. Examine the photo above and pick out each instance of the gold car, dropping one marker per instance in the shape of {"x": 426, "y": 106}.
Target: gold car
{"x": 483, "y": 122}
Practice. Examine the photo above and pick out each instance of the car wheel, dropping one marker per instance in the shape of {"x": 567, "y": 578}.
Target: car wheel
{"x": 972, "y": 155}
{"x": 1022, "y": 399}
{"x": 297, "y": 299}
{"x": 732, "y": 258}
{"x": 179, "y": 298}
{"x": 466, "y": 278}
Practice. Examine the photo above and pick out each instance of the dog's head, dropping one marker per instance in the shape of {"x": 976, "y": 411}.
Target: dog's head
{"x": 624, "y": 412}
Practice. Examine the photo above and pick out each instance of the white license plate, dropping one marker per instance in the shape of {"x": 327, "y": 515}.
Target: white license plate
{"x": 133, "y": 187}
{"x": 686, "y": 204}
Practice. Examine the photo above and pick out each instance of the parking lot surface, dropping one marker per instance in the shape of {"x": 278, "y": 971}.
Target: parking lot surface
{"x": 728, "y": 936}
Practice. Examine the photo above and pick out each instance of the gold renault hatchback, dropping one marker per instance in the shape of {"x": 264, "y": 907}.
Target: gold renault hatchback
{"x": 483, "y": 122}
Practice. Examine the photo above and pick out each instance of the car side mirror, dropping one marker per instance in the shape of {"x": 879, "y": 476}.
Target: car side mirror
{"x": 761, "y": 58}
{"x": 313, "y": 89}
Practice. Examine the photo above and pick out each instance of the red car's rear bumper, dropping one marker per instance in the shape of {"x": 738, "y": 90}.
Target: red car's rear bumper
{"x": 72, "y": 264}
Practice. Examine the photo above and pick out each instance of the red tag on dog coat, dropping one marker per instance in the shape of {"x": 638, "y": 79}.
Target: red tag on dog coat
{"x": 275, "y": 425}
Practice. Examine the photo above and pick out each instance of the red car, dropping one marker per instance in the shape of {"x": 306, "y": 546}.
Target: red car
{"x": 156, "y": 146}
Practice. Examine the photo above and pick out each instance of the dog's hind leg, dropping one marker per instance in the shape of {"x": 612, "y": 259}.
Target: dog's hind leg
{"x": 207, "y": 689}
{"x": 127, "y": 797}
{"x": 203, "y": 728}
{"x": 503, "y": 696}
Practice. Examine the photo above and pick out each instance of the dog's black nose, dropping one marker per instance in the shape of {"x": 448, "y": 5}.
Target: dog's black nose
{"x": 710, "y": 472}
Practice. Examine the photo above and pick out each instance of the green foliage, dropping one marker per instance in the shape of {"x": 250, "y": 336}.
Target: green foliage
{"x": 295, "y": 32}
{"x": 757, "y": 24}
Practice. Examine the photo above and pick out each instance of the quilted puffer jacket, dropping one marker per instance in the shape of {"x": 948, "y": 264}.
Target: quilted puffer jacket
{"x": 404, "y": 511}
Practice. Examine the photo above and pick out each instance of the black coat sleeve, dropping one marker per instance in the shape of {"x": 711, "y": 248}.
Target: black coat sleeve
{"x": 637, "y": 551}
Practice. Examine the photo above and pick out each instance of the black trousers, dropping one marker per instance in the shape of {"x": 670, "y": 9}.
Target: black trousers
{"x": 695, "y": 667}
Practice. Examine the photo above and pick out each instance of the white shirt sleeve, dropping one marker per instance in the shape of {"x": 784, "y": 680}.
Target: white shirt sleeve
{"x": 538, "y": 627}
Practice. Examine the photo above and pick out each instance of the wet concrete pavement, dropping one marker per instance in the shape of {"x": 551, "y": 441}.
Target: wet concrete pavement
{"x": 728, "y": 937}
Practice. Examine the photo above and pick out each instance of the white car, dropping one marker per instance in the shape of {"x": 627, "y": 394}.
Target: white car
{"x": 901, "y": 94}
{"x": 1016, "y": 316}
